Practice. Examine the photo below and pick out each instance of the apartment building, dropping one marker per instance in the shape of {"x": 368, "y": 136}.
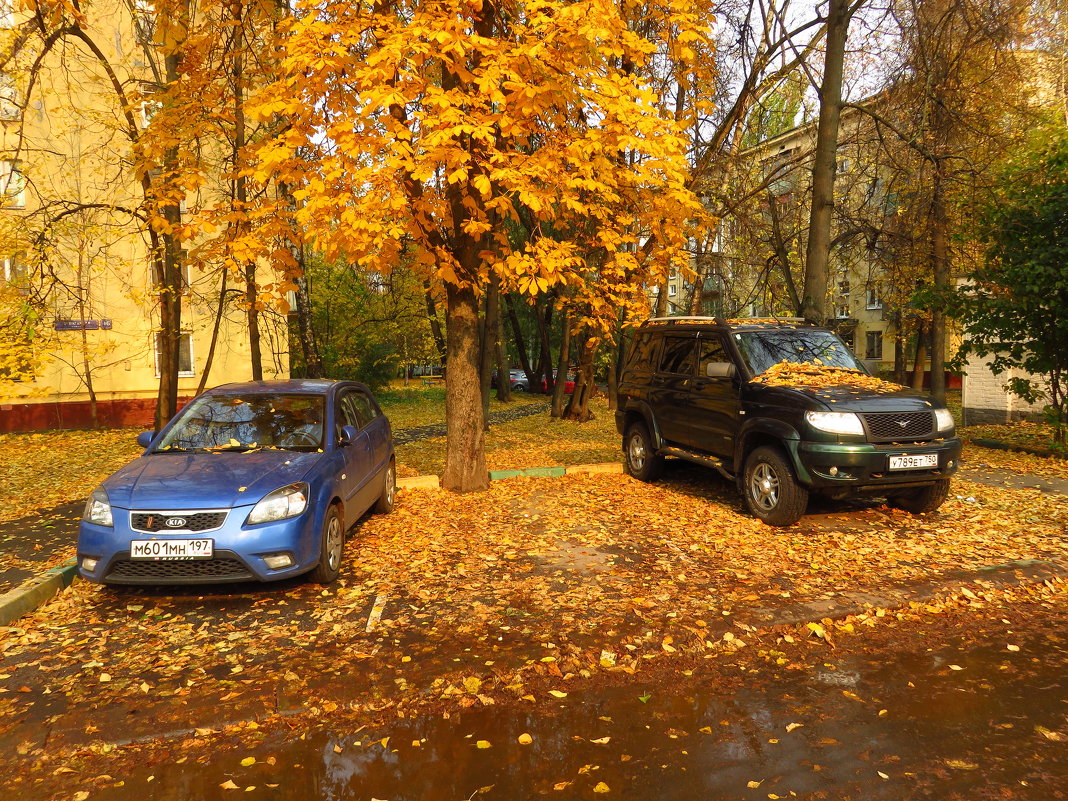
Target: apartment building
{"x": 76, "y": 274}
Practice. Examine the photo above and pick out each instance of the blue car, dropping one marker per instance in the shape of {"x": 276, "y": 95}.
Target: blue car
{"x": 254, "y": 481}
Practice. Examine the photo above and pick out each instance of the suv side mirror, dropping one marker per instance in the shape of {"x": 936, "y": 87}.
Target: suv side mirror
{"x": 144, "y": 439}
{"x": 348, "y": 434}
{"x": 720, "y": 370}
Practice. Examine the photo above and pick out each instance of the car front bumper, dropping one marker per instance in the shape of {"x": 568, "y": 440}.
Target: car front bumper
{"x": 238, "y": 551}
{"x": 834, "y": 465}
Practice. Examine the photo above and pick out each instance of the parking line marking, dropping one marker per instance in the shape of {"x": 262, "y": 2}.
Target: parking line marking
{"x": 376, "y": 612}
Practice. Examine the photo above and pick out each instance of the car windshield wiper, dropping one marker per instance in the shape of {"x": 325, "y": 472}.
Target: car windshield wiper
{"x": 175, "y": 449}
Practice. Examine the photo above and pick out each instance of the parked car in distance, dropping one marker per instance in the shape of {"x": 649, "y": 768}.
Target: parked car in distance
{"x": 517, "y": 381}
{"x": 569, "y": 383}
{"x": 697, "y": 388}
{"x": 257, "y": 481}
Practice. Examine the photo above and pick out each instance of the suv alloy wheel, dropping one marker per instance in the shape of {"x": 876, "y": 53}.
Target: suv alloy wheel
{"x": 643, "y": 463}
{"x": 771, "y": 491}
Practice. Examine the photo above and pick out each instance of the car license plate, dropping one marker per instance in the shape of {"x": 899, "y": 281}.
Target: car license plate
{"x": 914, "y": 462}
{"x": 172, "y": 549}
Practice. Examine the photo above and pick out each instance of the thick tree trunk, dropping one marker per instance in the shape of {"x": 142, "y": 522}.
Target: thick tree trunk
{"x": 465, "y": 458}
{"x": 817, "y": 255}
{"x": 578, "y": 408}
{"x": 561, "y": 368}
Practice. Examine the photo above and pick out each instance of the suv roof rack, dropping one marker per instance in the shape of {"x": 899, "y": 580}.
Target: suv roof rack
{"x": 688, "y": 319}
{"x": 730, "y": 321}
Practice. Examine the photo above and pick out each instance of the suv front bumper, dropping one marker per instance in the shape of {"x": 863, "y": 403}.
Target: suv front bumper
{"x": 827, "y": 464}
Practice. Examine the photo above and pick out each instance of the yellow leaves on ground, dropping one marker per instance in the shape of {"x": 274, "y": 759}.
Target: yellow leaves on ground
{"x": 525, "y": 739}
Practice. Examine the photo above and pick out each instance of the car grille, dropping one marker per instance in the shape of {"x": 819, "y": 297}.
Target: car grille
{"x": 221, "y": 567}
{"x": 195, "y": 521}
{"x": 899, "y": 426}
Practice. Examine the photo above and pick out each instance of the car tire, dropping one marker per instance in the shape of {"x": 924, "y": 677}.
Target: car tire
{"x": 388, "y": 497}
{"x": 923, "y": 500}
{"x": 641, "y": 461}
{"x": 331, "y": 546}
{"x": 770, "y": 488}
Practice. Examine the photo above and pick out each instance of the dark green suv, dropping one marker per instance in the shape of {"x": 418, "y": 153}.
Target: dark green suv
{"x": 784, "y": 409}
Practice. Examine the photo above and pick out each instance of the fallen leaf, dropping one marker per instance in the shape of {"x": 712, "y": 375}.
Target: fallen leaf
{"x": 525, "y": 739}
{"x": 248, "y": 761}
{"x": 483, "y": 744}
{"x": 557, "y": 693}
{"x": 229, "y": 785}
{"x": 601, "y": 787}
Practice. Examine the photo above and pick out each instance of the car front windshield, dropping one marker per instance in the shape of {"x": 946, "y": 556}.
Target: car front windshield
{"x": 248, "y": 422}
{"x": 762, "y": 349}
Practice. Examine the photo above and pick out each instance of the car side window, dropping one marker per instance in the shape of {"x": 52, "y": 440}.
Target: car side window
{"x": 642, "y": 352}
{"x": 678, "y": 355}
{"x": 365, "y": 410}
{"x": 711, "y": 351}
{"x": 346, "y": 413}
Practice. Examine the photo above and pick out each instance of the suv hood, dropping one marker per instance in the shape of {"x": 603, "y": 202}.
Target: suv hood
{"x": 843, "y": 399}
{"x": 205, "y": 480}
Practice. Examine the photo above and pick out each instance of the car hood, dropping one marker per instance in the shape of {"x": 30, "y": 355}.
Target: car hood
{"x": 845, "y": 399}
{"x": 205, "y": 480}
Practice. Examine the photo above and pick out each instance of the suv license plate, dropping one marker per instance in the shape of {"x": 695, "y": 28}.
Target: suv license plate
{"x": 172, "y": 549}
{"x": 915, "y": 462}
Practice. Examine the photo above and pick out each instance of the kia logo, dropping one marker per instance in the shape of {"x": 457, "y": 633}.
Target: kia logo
{"x": 175, "y": 522}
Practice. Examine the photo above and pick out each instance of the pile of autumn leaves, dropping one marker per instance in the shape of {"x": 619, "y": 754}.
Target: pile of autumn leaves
{"x": 821, "y": 376}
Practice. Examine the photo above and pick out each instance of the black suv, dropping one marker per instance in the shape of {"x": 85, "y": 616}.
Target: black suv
{"x": 698, "y": 388}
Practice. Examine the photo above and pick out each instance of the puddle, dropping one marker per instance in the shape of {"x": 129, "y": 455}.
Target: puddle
{"x": 986, "y": 722}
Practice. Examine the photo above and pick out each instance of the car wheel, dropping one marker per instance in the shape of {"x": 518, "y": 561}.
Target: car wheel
{"x": 770, "y": 488}
{"x": 330, "y": 548}
{"x": 641, "y": 461}
{"x": 923, "y": 500}
{"x": 519, "y": 388}
{"x": 389, "y": 491}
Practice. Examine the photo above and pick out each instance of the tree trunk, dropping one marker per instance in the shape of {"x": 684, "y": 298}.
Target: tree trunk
{"x": 488, "y": 329}
{"x": 900, "y": 366}
{"x": 613, "y": 382}
{"x": 504, "y": 372}
{"x": 817, "y": 255}
{"x": 465, "y": 458}
{"x": 435, "y": 326}
{"x": 661, "y": 309}
{"x": 545, "y": 359}
{"x": 520, "y": 342}
{"x": 214, "y": 335}
{"x": 578, "y": 408}
{"x": 917, "y": 363}
{"x": 940, "y": 274}
{"x": 561, "y": 367}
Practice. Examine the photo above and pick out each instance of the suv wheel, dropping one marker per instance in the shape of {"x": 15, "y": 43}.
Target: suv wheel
{"x": 641, "y": 461}
{"x": 923, "y": 500}
{"x": 771, "y": 491}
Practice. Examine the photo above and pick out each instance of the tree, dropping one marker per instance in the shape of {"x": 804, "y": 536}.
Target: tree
{"x": 436, "y": 125}
{"x": 1015, "y": 308}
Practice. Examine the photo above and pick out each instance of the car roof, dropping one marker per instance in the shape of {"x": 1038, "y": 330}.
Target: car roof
{"x": 732, "y": 324}
{"x": 310, "y": 385}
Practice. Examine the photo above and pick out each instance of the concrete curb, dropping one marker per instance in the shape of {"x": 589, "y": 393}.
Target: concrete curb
{"x": 1007, "y": 446}
{"x": 433, "y": 482}
{"x": 35, "y": 592}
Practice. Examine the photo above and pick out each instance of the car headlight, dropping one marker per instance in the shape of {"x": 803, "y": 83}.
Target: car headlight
{"x": 281, "y": 504}
{"x": 98, "y": 509}
{"x": 944, "y": 420}
{"x": 836, "y": 422}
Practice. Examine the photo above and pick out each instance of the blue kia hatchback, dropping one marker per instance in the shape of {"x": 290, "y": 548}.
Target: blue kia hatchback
{"x": 249, "y": 482}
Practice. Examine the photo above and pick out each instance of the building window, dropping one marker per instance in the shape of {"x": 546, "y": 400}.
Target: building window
{"x": 10, "y": 100}
{"x": 874, "y": 301}
{"x": 673, "y": 290}
{"x": 144, "y": 21}
{"x": 7, "y": 14}
{"x": 13, "y": 270}
{"x": 185, "y": 354}
{"x": 12, "y": 185}
{"x": 873, "y": 345}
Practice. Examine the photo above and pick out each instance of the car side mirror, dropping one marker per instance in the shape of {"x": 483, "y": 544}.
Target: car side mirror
{"x": 144, "y": 439}
{"x": 720, "y": 370}
{"x": 348, "y": 434}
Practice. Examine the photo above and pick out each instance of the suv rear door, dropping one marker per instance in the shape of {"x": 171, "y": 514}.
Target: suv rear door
{"x": 716, "y": 400}
{"x": 670, "y": 387}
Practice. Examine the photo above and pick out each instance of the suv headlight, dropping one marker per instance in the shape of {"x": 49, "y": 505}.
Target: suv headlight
{"x": 944, "y": 420}
{"x": 98, "y": 508}
{"x": 281, "y": 504}
{"x": 836, "y": 422}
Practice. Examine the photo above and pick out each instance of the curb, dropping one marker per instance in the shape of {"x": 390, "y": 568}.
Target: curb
{"x": 36, "y": 591}
{"x": 433, "y": 482}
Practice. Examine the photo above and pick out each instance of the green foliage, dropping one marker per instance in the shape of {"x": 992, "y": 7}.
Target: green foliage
{"x": 1015, "y": 310}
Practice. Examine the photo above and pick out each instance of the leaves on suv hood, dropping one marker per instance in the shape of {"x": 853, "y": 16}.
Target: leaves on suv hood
{"x": 816, "y": 376}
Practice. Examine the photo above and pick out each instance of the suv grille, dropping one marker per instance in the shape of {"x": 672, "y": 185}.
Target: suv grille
{"x": 218, "y": 568}
{"x": 157, "y": 521}
{"x": 899, "y": 426}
